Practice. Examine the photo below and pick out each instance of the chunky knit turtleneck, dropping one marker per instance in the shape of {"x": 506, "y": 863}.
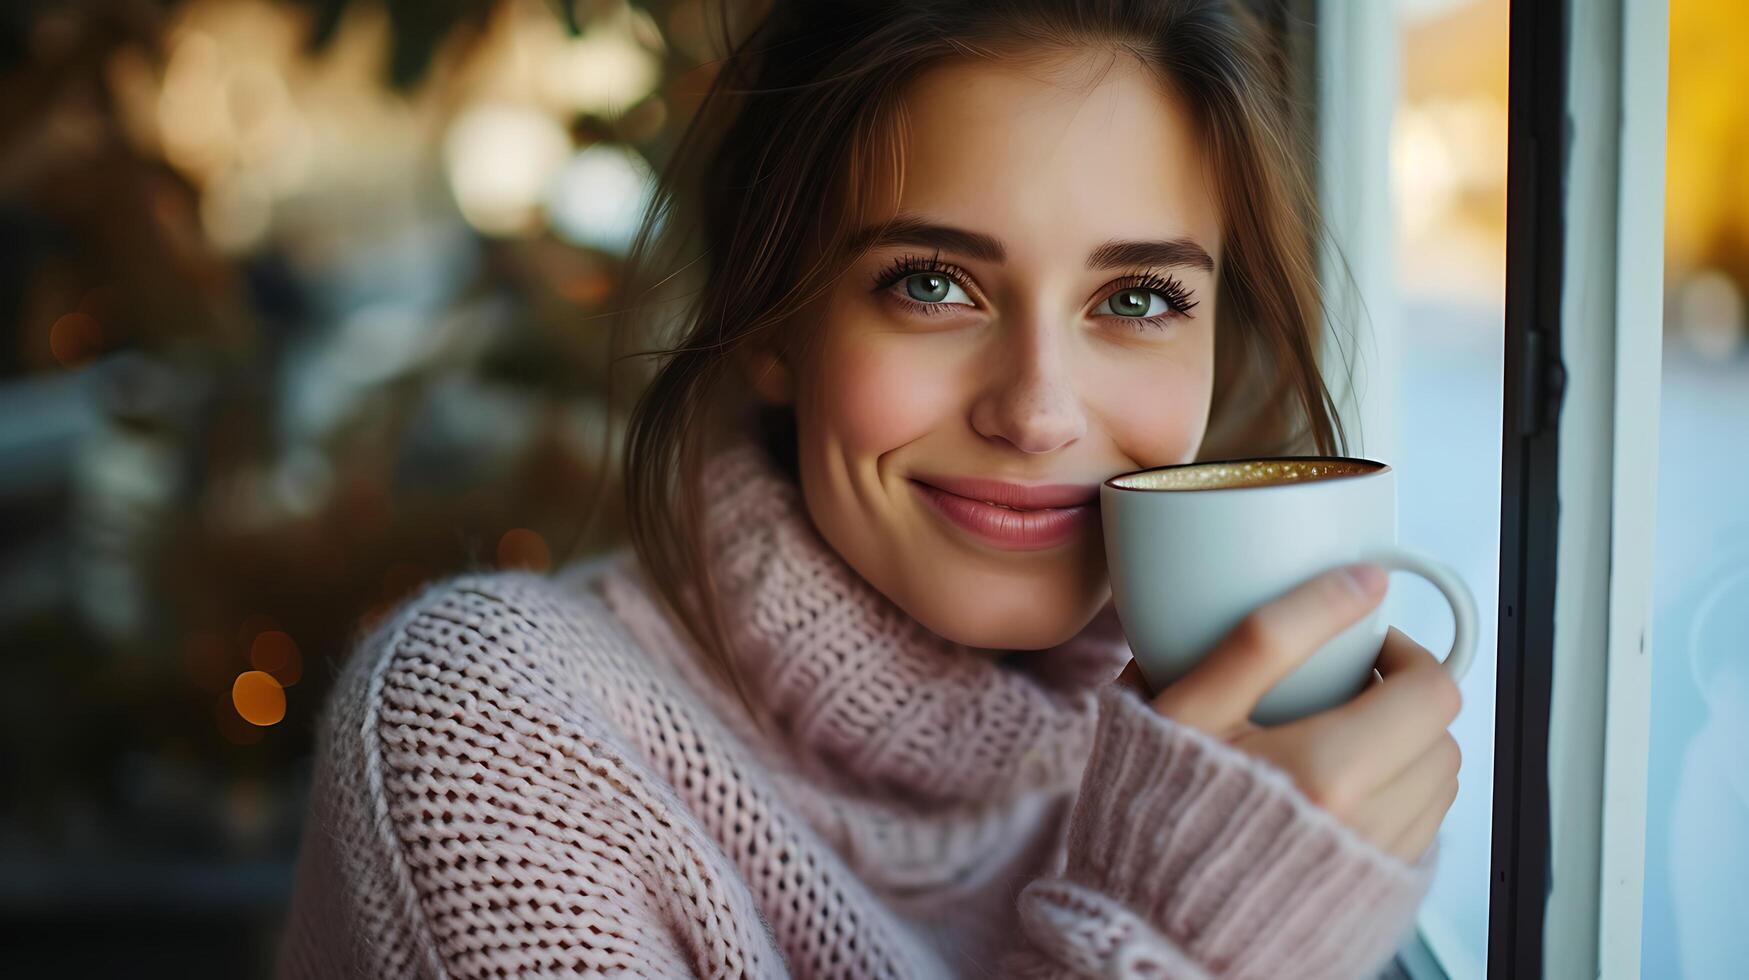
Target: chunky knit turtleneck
{"x": 523, "y": 775}
{"x": 863, "y": 688}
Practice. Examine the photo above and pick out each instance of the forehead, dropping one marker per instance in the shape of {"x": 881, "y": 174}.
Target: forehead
{"x": 1054, "y": 152}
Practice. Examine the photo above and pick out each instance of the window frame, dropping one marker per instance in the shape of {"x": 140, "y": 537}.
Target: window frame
{"x": 1529, "y": 503}
{"x": 1584, "y": 318}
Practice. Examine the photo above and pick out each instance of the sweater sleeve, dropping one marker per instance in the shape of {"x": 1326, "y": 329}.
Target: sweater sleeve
{"x": 465, "y": 823}
{"x": 1190, "y": 860}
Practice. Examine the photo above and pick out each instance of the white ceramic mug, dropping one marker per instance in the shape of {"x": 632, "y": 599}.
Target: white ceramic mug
{"x": 1192, "y": 548}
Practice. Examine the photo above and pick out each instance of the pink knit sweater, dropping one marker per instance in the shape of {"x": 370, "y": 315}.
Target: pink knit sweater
{"x": 523, "y": 776}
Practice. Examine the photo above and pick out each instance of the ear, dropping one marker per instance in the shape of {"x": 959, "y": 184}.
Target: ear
{"x": 770, "y": 375}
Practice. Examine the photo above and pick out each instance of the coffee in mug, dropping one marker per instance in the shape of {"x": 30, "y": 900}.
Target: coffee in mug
{"x": 1193, "y": 548}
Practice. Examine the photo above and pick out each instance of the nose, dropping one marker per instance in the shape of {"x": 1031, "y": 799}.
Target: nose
{"x": 1030, "y": 400}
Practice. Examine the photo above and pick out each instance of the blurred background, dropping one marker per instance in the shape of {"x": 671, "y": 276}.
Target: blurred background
{"x": 300, "y": 304}
{"x": 296, "y": 301}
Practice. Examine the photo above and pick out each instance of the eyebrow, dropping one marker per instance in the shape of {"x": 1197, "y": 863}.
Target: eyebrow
{"x": 908, "y": 229}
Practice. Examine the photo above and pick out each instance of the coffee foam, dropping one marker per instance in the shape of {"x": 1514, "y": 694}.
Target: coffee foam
{"x": 1245, "y": 473}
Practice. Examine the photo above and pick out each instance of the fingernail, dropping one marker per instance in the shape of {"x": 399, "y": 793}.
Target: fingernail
{"x": 1366, "y": 578}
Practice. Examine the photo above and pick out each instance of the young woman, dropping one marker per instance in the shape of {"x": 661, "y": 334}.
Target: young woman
{"x": 835, "y": 714}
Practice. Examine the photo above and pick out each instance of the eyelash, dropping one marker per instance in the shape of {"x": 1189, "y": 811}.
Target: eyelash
{"x": 1177, "y": 296}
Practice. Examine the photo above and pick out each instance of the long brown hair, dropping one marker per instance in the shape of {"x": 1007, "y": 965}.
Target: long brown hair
{"x": 747, "y": 227}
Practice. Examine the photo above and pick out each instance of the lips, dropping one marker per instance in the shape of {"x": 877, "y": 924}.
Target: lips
{"x": 1015, "y": 495}
{"x": 1012, "y": 516}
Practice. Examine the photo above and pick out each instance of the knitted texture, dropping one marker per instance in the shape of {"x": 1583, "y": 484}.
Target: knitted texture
{"x": 523, "y": 775}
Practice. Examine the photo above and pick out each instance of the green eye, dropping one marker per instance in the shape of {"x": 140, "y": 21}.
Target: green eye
{"x": 1133, "y": 302}
{"x": 928, "y": 287}
{"x": 933, "y": 289}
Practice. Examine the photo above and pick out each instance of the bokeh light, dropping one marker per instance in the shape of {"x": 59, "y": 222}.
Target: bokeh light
{"x": 75, "y": 339}
{"x": 605, "y": 71}
{"x": 500, "y": 158}
{"x": 258, "y": 698}
{"x": 193, "y": 120}
{"x": 275, "y": 652}
{"x": 600, "y": 195}
{"x": 523, "y": 548}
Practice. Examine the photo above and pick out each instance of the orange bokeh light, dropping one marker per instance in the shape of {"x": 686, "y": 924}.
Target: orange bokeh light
{"x": 522, "y": 548}
{"x": 258, "y": 698}
{"x": 275, "y": 652}
{"x": 75, "y": 339}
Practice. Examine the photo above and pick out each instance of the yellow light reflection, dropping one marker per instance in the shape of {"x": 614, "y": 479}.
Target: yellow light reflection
{"x": 500, "y": 159}
{"x": 605, "y": 72}
{"x": 192, "y": 115}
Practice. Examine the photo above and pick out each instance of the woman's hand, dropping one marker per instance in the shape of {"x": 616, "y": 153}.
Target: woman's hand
{"x": 1383, "y": 763}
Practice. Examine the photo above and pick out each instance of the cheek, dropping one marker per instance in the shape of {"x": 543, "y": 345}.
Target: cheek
{"x": 874, "y": 392}
{"x": 1155, "y": 410}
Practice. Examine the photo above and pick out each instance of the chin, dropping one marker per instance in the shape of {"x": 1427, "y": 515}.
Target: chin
{"x": 1010, "y": 603}
{"x": 956, "y": 614}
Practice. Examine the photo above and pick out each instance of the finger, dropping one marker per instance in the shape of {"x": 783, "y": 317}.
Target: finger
{"x": 1386, "y": 815}
{"x": 1400, "y": 653}
{"x": 1366, "y": 743}
{"x": 1415, "y": 841}
{"x": 1220, "y": 692}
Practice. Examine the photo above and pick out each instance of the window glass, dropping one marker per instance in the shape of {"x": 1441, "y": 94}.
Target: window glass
{"x": 1697, "y": 785}
{"x": 1448, "y": 169}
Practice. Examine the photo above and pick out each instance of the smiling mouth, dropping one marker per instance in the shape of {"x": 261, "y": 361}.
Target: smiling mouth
{"x": 1005, "y": 527}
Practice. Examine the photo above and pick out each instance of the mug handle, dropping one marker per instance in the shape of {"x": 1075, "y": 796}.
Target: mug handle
{"x": 1463, "y": 604}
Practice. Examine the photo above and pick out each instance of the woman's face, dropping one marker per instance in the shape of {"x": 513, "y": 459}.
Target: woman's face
{"x": 1045, "y": 319}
